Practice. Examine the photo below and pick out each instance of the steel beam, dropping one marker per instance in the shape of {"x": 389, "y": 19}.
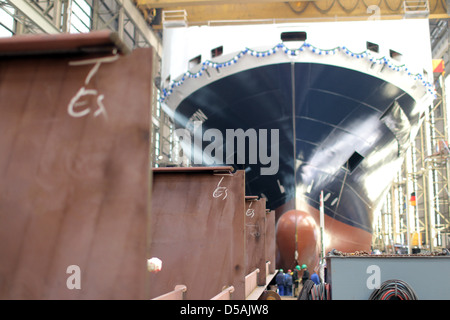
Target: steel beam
{"x": 34, "y": 15}
{"x": 135, "y": 16}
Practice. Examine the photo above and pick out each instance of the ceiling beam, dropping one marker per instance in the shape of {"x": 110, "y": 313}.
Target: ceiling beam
{"x": 190, "y": 3}
{"x": 224, "y": 12}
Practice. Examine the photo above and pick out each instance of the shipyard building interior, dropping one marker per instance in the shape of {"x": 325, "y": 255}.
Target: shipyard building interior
{"x": 101, "y": 198}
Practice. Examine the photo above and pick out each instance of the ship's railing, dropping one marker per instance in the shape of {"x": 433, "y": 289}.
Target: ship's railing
{"x": 174, "y": 18}
{"x": 416, "y": 8}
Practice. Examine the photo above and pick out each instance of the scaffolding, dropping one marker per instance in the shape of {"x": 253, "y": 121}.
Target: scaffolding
{"x": 54, "y": 16}
{"x": 415, "y": 215}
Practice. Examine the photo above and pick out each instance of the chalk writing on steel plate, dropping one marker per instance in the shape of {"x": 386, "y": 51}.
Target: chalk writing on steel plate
{"x": 77, "y": 107}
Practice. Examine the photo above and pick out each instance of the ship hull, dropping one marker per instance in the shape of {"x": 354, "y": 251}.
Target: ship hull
{"x": 333, "y": 137}
{"x": 298, "y": 237}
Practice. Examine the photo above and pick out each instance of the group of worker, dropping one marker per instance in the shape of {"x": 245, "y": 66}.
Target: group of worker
{"x": 290, "y": 283}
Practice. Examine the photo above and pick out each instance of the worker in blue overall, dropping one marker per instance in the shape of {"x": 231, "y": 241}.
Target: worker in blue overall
{"x": 288, "y": 283}
{"x": 279, "y": 279}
